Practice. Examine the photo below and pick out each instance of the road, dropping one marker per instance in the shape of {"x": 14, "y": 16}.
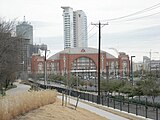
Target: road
{"x": 19, "y": 89}
{"x": 98, "y": 111}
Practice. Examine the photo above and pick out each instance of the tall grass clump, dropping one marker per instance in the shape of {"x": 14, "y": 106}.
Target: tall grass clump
{"x": 12, "y": 106}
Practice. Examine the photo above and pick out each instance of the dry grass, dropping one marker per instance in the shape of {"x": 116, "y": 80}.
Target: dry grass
{"x": 56, "y": 111}
{"x": 12, "y": 106}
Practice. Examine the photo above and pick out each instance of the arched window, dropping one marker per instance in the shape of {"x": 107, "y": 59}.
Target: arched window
{"x": 84, "y": 68}
{"x": 83, "y": 63}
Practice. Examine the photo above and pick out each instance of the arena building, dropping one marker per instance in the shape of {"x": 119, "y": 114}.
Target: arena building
{"x": 83, "y": 62}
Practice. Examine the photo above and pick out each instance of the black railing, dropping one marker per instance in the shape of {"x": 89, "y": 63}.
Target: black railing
{"x": 121, "y": 103}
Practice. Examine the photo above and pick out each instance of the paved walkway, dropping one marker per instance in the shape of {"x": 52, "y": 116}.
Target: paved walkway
{"x": 98, "y": 111}
{"x": 19, "y": 89}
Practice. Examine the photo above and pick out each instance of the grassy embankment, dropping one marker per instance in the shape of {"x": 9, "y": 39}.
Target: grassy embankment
{"x": 58, "y": 112}
{"x": 12, "y": 106}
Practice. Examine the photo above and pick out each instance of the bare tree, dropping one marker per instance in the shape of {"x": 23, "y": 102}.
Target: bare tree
{"x": 9, "y": 53}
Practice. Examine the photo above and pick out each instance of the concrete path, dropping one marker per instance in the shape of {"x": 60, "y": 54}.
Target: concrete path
{"x": 19, "y": 89}
{"x": 98, "y": 111}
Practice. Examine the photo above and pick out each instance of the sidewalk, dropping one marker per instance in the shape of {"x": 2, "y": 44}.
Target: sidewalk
{"x": 95, "y": 110}
{"x": 19, "y": 89}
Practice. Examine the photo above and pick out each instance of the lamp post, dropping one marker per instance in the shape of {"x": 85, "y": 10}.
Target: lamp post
{"x": 22, "y": 72}
{"x": 132, "y": 69}
{"x": 45, "y": 67}
{"x": 35, "y": 66}
{"x": 45, "y": 74}
{"x": 107, "y": 73}
{"x": 150, "y": 66}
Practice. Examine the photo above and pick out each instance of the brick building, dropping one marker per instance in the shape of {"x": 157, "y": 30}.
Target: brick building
{"x": 83, "y": 62}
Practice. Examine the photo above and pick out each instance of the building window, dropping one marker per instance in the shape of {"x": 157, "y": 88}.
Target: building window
{"x": 84, "y": 67}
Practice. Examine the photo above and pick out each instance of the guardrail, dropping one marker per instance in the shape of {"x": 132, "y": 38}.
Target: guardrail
{"x": 120, "y": 103}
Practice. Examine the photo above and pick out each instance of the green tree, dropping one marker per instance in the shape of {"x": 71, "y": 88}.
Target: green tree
{"x": 138, "y": 89}
{"x": 112, "y": 85}
{"x": 81, "y": 82}
{"x": 126, "y": 89}
{"x": 151, "y": 88}
{"x": 58, "y": 78}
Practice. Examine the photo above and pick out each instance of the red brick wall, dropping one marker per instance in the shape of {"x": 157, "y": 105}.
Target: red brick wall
{"x": 71, "y": 57}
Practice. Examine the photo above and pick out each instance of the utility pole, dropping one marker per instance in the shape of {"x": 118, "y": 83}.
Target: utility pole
{"x": 45, "y": 75}
{"x": 131, "y": 75}
{"x": 99, "y": 55}
{"x": 45, "y": 67}
{"x": 150, "y": 63}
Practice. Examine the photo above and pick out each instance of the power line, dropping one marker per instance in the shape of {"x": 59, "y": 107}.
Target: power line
{"x": 92, "y": 35}
{"x": 82, "y": 32}
{"x": 135, "y": 13}
{"x": 143, "y": 16}
{"x": 87, "y": 33}
{"x": 91, "y": 29}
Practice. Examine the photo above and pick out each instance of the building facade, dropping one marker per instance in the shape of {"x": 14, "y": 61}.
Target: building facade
{"x": 83, "y": 62}
{"x": 25, "y": 30}
{"x": 68, "y": 27}
{"x": 24, "y": 57}
{"x": 37, "y": 65}
{"x": 38, "y": 47}
{"x": 80, "y": 29}
{"x": 75, "y": 28}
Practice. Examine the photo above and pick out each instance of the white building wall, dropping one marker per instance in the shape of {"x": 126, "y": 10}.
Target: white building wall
{"x": 68, "y": 27}
{"x": 75, "y": 28}
{"x": 80, "y": 29}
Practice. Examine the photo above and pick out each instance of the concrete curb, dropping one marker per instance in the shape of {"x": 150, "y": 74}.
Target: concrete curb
{"x": 116, "y": 111}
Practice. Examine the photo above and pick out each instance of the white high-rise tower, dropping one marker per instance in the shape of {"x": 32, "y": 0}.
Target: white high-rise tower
{"x": 80, "y": 29}
{"x": 68, "y": 27}
{"x": 75, "y": 28}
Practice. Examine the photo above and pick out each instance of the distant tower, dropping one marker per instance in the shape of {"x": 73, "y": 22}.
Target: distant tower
{"x": 75, "y": 28}
{"x": 25, "y": 30}
{"x": 68, "y": 27}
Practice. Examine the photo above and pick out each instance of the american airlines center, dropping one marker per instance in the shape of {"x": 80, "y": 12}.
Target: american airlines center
{"x": 83, "y": 62}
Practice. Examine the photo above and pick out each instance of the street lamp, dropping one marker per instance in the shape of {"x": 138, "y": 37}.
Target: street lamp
{"x": 45, "y": 67}
{"x": 132, "y": 69}
{"x": 150, "y": 54}
{"x": 22, "y": 67}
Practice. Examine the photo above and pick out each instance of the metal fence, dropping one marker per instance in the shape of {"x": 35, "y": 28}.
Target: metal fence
{"x": 120, "y": 103}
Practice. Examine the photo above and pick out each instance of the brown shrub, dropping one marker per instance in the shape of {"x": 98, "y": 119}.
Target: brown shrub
{"x": 12, "y": 106}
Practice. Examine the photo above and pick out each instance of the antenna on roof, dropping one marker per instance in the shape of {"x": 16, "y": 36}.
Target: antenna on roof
{"x": 24, "y": 18}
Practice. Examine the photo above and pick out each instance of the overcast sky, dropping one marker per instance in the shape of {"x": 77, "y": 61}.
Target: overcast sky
{"x": 136, "y": 34}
